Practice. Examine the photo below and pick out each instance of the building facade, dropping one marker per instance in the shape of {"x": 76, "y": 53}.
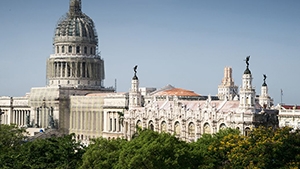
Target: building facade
{"x": 289, "y": 116}
{"x": 76, "y": 101}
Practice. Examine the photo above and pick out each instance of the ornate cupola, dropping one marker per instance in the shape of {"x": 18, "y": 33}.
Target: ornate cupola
{"x": 264, "y": 98}
{"x": 135, "y": 98}
{"x": 227, "y": 90}
{"x": 247, "y": 92}
{"x": 75, "y": 62}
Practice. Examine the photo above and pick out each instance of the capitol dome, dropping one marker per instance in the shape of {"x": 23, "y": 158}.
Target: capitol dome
{"x": 75, "y": 26}
{"x": 75, "y": 62}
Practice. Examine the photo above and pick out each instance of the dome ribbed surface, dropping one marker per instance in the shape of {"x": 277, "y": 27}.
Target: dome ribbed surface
{"x": 75, "y": 26}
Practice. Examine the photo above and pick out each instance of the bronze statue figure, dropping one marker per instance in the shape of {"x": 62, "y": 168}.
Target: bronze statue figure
{"x": 135, "y": 68}
{"x": 265, "y": 77}
{"x": 247, "y": 60}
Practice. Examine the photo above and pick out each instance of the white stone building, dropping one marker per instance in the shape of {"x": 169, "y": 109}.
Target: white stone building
{"x": 189, "y": 115}
{"x": 289, "y": 116}
{"x": 75, "y": 100}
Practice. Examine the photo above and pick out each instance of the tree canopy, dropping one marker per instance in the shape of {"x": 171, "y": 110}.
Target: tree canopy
{"x": 263, "y": 148}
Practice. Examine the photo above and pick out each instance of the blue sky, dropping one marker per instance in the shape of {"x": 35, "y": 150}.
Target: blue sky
{"x": 183, "y": 43}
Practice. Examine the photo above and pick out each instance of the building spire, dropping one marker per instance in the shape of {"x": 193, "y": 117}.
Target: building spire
{"x": 75, "y": 7}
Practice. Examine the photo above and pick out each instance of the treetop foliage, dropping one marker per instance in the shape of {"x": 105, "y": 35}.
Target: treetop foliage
{"x": 264, "y": 148}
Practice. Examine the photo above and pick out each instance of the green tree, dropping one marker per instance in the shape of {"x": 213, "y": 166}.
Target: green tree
{"x": 102, "y": 153}
{"x": 267, "y": 148}
{"x": 214, "y": 148}
{"x": 57, "y": 152}
{"x": 153, "y": 150}
{"x": 11, "y": 139}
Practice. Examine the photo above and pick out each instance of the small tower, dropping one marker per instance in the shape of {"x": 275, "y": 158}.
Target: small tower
{"x": 264, "y": 98}
{"x": 135, "y": 98}
{"x": 227, "y": 89}
{"x": 247, "y": 92}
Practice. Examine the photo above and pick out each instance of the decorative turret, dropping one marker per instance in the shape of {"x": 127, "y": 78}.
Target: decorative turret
{"x": 247, "y": 92}
{"x": 264, "y": 98}
{"x": 135, "y": 98}
{"x": 227, "y": 89}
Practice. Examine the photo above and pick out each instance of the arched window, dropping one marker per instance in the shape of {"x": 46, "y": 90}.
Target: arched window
{"x": 139, "y": 124}
{"x": 177, "y": 128}
{"x": 206, "y": 128}
{"x": 151, "y": 126}
{"x": 222, "y": 126}
{"x": 63, "y": 49}
{"x": 247, "y": 131}
{"x": 70, "y": 49}
{"x": 191, "y": 130}
{"x": 163, "y": 126}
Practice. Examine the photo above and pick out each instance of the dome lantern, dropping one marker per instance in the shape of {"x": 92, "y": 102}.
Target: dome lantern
{"x": 75, "y": 8}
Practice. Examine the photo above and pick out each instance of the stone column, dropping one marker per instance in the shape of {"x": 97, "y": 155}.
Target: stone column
{"x": 18, "y": 117}
{"x": 13, "y": 116}
{"x": 81, "y": 71}
{"x": 72, "y": 69}
{"x": 105, "y": 122}
{"x": 81, "y": 120}
{"x": 71, "y": 120}
{"x": 86, "y": 126}
{"x": 66, "y": 69}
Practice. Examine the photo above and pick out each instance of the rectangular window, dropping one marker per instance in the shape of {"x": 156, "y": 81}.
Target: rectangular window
{"x": 83, "y": 69}
{"x": 70, "y": 49}
{"x": 85, "y": 50}
{"x": 78, "y": 49}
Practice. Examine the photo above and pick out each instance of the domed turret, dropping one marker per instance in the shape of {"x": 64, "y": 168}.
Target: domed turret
{"x": 75, "y": 26}
{"x": 75, "y": 62}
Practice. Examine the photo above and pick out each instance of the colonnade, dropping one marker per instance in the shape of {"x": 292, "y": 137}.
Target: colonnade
{"x": 66, "y": 69}
{"x": 85, "y": 121}
{"x": 19, "y": 117}
{"x": 112, "y": 122}
{"x": 43, "y": 117}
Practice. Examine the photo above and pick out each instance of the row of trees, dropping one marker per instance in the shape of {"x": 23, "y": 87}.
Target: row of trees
{"x": 264, "y": 148}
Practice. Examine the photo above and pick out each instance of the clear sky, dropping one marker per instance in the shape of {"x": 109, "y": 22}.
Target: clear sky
{"x": 185, "y": 43}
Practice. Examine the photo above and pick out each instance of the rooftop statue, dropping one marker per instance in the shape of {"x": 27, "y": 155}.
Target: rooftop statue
{"x": 265, "y": 77}
{"x": 135, "y": 69}
{"x": 247, "y": 60}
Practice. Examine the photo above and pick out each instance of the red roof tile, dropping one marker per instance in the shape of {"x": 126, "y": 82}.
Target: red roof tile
{"x": 177, "y": 92}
